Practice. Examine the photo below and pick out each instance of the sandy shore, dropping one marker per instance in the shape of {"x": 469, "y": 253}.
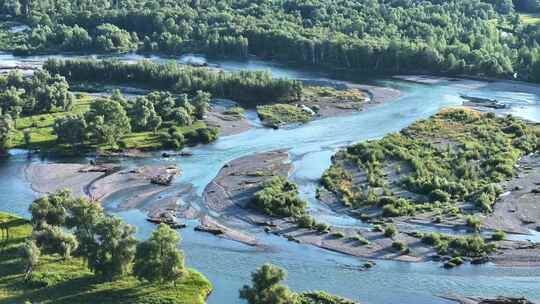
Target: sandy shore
{"x": 46, "y": 178}
{"x": 100, "y": 182}
{"x": 232, "y": 189}
{"x": 228, "y": 124}
{"x": 234, "y": 186}
{"x": 332, "y": 107}
{"x": 517, "y": 209}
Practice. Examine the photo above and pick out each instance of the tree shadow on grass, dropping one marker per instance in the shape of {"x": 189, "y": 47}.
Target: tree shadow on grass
{"x": 85, "y": 289}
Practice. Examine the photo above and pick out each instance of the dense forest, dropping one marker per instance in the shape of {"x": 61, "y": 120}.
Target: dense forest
{"x": 244, "y": 86}
{"x": 387, "y": 36}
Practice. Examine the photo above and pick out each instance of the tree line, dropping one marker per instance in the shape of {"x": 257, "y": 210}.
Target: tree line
{"x": 244, "y": 86}
{"x": 388, "y": 36}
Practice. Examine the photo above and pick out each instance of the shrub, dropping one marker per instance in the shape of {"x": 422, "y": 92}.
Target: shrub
{"x": 498, "y": 235}
{"x": 401, "y": 247}
{"x": 322, "y": 227}
{"x": 474, "y": 222}
{"x": 305, "y": 221}
{"x": 377, "y": 228}
{"x": 362, "y": 240}
{"x": 439, "y": 195}
{"x": 369, "y": 264}
{"x": 279, "y": 198}
{"x": 390, "y": 231}
{"x": 455, "y": 261}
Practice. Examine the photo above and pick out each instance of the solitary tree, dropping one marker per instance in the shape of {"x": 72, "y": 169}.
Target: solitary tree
{"x": 158, "y": 258}
{"x": 266, "y": 288}
{"x": 83, "y": 216}
{"x": 70, "y": 129}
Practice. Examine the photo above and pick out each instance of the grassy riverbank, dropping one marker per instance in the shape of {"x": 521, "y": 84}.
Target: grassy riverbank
{"x": 69, "y": 281}
{"x": 42, "y": 136}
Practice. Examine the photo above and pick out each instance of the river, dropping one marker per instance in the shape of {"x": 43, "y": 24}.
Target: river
{"x": 228, "y": 264}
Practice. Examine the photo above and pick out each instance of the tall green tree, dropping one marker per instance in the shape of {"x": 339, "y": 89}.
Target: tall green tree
{"x": 6, "y": 127}
{"x": 54, "y": 239}
{"x": 266, "y": 287}
{"x": 71, "y": 129}
{"x": 108, "y": 121}
{"x": 201, "y": 101}
{"x": 112, "y": 249}
{"x": 50, "y": 209}
{"x": 83, "y": 216}
{"x": 158, "y": 258}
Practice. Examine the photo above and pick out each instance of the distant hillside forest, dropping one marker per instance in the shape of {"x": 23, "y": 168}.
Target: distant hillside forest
{"x": 473, "y": 37}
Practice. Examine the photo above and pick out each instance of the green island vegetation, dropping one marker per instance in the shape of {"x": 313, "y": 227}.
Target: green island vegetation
{"x": 308, "y": 107}
{"x": 71, "y": 252}
{"x": 349, "y": 94}
{"x": 440, "y": 165}
{"x": 235, "y": 112}
{"x": 478, "y": 37}
{"x": 276, "y": 115}
{"x": 280, "y": 198}
{"x": 266, "y": 289}
{"x": 40, "y": 112}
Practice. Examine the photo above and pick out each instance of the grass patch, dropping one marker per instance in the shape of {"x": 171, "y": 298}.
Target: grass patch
{"x": 69, "y": 281}
{"x": 280, "y": 114}
{"x": 235, "y": 112}
{"x": 316, "y": 92}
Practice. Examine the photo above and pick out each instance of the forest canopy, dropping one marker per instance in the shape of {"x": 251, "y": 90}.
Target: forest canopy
{"x": 386, "y": 36}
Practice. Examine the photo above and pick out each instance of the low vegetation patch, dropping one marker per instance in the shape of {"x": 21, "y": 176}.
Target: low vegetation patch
{"x": 349, "y": 95}
{"x": 280, "y": 198}
{"x": 277, "y": 115}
